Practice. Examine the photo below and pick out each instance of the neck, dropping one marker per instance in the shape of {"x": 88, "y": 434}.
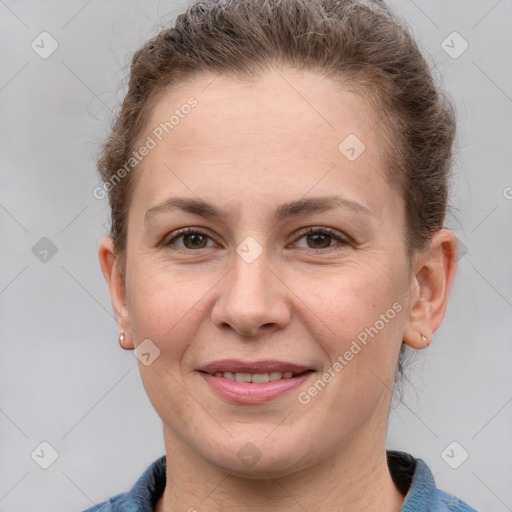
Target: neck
{"x": 356, "y": 477}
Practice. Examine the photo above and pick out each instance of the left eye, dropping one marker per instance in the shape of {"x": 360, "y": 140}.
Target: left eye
{"x": 320, "y": 237}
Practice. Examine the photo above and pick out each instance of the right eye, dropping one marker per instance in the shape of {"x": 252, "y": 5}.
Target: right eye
{"x": 193, "y": 239}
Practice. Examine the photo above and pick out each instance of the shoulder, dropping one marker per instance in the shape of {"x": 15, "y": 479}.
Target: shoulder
{"x": 413, "y": 477}
{"x": 142, "y": 496}
{"x": 444, "y": 502}
{"x": 116, "y": 503}
{"x": 438, "y": 500}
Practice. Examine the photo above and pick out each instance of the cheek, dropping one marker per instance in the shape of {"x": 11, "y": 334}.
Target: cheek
{"x": 161, "y": 303}
{"x": 163, "y": 306}
{"x": 348, "y": 297}
{"x": 357, "y": 314}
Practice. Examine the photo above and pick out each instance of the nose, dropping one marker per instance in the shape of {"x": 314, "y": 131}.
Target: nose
{"x": 254, "y": 300}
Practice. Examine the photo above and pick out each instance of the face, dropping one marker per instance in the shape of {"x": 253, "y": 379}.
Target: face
{"x": 297, "y": 262}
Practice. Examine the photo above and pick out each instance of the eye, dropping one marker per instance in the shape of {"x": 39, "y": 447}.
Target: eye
{"x": 321, "y": 238}
{"x": 192, "y": 239}
{"x": 316, "y": 238}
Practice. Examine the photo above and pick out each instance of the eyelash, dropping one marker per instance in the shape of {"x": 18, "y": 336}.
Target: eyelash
{"x": 310, "y": 231}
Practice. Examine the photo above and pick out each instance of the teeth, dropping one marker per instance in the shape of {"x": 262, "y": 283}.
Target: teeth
{"x": 260, "y": 377}
{"x": 254, "y": 377}
{"x": 243, "y": 377}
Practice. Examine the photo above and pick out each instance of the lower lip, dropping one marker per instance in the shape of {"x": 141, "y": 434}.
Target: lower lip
{"x": 253, "y": 392}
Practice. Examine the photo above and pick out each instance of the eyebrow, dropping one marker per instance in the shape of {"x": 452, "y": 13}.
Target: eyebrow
{"x": 297, "y": 208}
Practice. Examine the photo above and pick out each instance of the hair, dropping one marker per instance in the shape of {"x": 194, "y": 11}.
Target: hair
{"x": 361, "y": 45}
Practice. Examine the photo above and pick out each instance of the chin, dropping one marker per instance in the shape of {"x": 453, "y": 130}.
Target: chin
{"x": 260, "y": 460}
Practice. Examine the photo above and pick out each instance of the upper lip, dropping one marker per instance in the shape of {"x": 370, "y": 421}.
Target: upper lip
{"x": 235, "y": 366}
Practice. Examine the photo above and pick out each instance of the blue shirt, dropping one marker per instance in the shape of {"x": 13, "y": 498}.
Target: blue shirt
{"x": 422, "y": 494}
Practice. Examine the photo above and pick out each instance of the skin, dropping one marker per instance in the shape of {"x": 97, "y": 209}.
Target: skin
{"x": 247, "y": 148}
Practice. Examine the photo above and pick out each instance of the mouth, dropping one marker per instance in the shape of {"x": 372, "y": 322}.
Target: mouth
{"x": 257, "y": 377}
{"x": 257, "y": 371}
{"x": 256, "y": 382}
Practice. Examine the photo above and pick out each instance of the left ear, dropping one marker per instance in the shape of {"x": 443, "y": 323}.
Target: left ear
{"x": 433, "y": 276}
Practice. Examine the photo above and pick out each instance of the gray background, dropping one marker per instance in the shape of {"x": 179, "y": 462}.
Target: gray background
{"x": 63, "y": 377}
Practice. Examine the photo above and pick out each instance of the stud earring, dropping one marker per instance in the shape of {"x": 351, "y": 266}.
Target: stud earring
{"x": 121, "y": 338}
{"x": 424, "y": 338}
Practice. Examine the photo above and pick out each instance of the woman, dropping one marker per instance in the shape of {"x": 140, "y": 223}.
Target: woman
{"x": 278, "y": 181}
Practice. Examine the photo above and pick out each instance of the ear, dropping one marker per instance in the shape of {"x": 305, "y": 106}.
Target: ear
{"x": 117, "y": 286}
{"x": 433, "y": 273}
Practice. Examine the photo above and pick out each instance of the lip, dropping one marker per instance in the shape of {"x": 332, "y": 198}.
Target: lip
{"x": 253, "y": 392}
{"x": 236, "y": 366}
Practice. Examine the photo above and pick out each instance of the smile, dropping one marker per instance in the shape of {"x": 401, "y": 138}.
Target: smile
{"x": 256, "y": 377}
{"x": 253, "y": 382}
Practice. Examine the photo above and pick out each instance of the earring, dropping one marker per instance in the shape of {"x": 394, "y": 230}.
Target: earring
{"x": 424, "y": 338}
{"x": 121, "y": 338}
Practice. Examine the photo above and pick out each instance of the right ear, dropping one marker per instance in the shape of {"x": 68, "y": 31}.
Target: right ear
{"x": 117, "y": 286}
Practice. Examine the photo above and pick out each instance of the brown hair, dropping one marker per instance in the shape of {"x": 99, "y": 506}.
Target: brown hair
{"x": 360, "y": 44}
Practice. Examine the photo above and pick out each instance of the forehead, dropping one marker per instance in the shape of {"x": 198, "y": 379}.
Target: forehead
{"x": 280, "y": 109}
{"x": 284, "y": 131}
